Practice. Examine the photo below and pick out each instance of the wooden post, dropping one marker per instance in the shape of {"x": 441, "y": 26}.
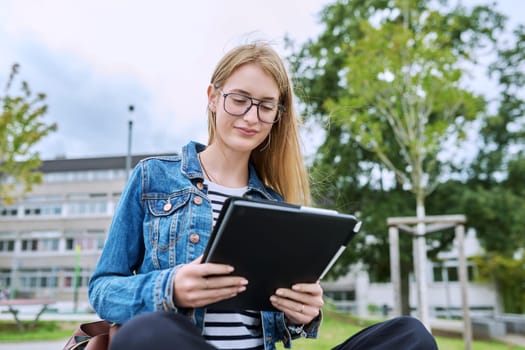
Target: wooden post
{"x": 436, "y": 223}
{"x": 463, "y": 278}
{"x": 395, "y": 271}
{"x": 420, "y": 266}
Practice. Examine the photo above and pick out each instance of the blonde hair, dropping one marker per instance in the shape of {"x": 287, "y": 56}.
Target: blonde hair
{"x": 278, "y": 160}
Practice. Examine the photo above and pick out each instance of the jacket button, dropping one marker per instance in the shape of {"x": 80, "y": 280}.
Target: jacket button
{"x": 167, "y": 206}
{"x": 200, "y": 186}
{"x": 197, "y": 200}
{"x": 194, "y": 238}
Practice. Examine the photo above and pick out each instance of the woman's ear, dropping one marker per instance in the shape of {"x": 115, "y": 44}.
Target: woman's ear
{"x": 212, "y": 97}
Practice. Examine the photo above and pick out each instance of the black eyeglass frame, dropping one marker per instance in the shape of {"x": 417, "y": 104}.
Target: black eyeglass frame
{"x": 280, "y": 108}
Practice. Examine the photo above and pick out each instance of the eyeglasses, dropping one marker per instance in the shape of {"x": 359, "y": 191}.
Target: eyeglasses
{"x": 238, "y": 105}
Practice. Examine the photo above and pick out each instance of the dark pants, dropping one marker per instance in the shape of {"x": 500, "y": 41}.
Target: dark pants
{"x": 163, "y": 331}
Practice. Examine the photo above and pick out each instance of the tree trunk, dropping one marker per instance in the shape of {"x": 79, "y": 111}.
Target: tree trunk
{"x": 420, "y": 261}
{"x": 405, "y": 289}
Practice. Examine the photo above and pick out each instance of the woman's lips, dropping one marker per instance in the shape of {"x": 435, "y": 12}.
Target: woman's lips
{"x": 247, "y": 131}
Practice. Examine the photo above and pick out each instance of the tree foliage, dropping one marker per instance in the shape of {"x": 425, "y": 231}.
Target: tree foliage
{"x": 21, "y": 128}
{"x": 503, "y": 133}
{"x": 385, "y": 80}
{"x": 509, "y": 277}
{"x": 495, "y": 200}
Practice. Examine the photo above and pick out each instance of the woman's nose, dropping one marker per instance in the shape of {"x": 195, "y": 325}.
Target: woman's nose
{"x": 252, "y": 116}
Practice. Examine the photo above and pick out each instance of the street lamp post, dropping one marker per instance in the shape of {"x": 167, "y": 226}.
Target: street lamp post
{"x": 131, "y": 108}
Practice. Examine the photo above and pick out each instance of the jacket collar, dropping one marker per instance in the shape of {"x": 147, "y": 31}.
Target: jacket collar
{"x": 191, "y": 168}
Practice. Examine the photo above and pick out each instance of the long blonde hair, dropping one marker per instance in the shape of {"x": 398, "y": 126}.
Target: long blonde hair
{"x": 278, "y": 160}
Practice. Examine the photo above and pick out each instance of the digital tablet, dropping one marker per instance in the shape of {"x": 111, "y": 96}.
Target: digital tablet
{"x": 274, "y": 244}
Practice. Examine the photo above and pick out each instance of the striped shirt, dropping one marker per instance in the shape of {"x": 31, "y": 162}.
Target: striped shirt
{"x": 223, "y": 329}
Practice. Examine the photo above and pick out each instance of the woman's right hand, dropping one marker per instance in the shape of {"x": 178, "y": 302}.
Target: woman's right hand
{"x": 197, "y": 284}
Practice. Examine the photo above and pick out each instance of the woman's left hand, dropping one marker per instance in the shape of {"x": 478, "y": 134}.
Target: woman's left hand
{"x": 301, "y": 304}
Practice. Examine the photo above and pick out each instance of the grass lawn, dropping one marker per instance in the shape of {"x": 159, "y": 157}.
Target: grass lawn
{"x": 335, "y": 329}
{"x": 44, "y": 330}
{"x": 338, "y": 327}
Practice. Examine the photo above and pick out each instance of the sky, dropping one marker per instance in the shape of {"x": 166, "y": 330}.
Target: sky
{"x": 93, "y": 59}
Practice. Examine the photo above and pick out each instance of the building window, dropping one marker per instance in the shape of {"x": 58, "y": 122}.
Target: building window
{"x": 8, "y": 211}
{"x": 89, "y": 175}
{"x": 87, "y": 208}
{"x": 449, "y": 273}
{"x": 341, "y": 295}
{"x": 48, "y": 245}
{"x": 83, "y": 278}
{"x": 84, "y": 243}
{"x": 436, "y": 272}
{"x": 31, "y": 279}
{"x": 43, "y": 210}
{"x": 452, "y": 273}
{"x": 7, "y": 245}
{"x": 44, "y": 198}
{"x": 5, "y": 278}
{"x": 68, "y": 281}
{"x": 29, "y": 245}
{"x": 42, "y": 245}
{"x": 91, "y": 239}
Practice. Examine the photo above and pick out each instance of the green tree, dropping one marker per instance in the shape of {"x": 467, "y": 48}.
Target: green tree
{"x": 385, "y": 78}
{"x": 495, "y": 201}
{"x": 21, "y": 128}
{"x": 508, "y": 274}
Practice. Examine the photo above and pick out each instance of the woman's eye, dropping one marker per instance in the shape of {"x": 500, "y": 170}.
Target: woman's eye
{"x": 239, "y": 99}
{"x": 267, "y": 106}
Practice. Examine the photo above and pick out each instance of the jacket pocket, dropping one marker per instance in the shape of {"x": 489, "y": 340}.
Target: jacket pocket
{"x": 162, "y": 205}
{"x": 166, "y": 214}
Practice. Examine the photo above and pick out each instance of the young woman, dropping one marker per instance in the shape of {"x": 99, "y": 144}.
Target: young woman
{"x": 151, "y": 260}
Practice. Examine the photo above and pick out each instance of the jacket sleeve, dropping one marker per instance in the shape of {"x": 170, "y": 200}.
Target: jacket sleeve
{"x": 286, "y": 333}
{"x": 116, "y": 291}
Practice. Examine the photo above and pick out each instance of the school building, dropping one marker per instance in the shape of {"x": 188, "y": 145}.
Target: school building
{"x": 53, "y": 236}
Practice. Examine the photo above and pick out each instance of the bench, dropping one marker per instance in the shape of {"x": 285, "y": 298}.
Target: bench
{"x": 514, "y": 323}
{"x": 487, "y": 328}
{"x": 13, "y": 307}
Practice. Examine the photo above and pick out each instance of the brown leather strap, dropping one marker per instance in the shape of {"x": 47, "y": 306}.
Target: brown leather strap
{"x": 99, "y": 342}
{"x": 95, "y": 328}
{"x": 99, "y": 335}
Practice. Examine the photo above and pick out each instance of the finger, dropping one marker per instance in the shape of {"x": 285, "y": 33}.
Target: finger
{"x": 301, "y": 297}
{"x": 289, "y": 305}
{"x": 208, "y": 296}
{"x": 208, "y": 269}
{"x": 311, "y": 288}
{"x": 295, "y": 312}
{"x": 224, "y": 282}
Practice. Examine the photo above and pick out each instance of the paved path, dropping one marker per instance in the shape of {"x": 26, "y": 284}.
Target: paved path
{"x": 451, "y": 327}
{"x": 47, "y": 345}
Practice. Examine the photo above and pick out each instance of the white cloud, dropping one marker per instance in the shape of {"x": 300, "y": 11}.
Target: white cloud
{"x": 165, "y": 48}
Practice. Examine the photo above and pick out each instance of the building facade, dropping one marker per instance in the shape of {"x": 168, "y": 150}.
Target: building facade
{"x": 358, "y": 294}
{"x": 51, "y": 238}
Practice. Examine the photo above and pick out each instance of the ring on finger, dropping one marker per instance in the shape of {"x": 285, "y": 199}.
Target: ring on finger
{"x": 302, "y": 308}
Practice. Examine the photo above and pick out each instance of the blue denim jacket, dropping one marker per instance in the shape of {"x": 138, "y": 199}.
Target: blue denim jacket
{"x": 164, "y": 220}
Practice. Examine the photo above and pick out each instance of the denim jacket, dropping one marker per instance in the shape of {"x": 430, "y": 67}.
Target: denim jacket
{"x": 164, "y": 220}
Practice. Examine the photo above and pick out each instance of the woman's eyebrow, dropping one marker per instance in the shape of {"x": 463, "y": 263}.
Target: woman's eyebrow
{"x": 244, "y": 92}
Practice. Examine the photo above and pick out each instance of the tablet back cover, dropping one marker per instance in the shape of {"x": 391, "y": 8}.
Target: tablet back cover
{"x": 275, "y": 245}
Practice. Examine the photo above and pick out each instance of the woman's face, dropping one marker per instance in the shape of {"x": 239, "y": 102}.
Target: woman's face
{"x": 243, "y": 133}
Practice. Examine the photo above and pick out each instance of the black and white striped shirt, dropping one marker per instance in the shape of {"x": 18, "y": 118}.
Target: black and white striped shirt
{"x": 223, "y": 329}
